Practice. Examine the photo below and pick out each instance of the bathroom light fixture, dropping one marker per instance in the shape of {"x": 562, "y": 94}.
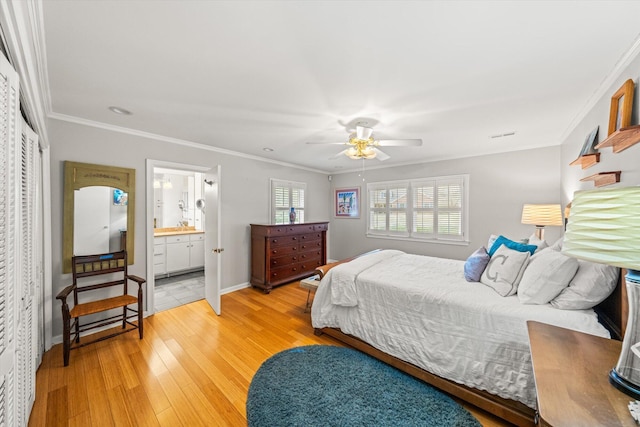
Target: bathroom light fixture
{"x": 120, "y": 111}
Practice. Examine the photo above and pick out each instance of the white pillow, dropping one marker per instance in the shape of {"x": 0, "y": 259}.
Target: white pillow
{"x": 504, "y": 271}
{"x": 591, "y": 285}
{"x": 541, "y": 244}
{"x": 547, "y": 274}
{"x": 491, "y": 241}
{"x": 557, "y": 246}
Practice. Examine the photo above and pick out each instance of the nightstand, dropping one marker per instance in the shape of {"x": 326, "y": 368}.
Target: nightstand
{"x": 571, "y": 371}
{"x": 311, "y": 284}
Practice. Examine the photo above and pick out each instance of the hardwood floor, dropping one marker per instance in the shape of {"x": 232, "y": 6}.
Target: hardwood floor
{"x": 193, "y": 368}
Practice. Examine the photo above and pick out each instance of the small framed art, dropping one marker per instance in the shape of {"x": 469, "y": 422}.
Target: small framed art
{"x": 120, "y": 198}
{"x": 347, "y": 202}
{"x": 621, "y": 106}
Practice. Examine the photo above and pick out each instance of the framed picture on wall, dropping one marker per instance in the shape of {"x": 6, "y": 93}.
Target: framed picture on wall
{"x": 621, "y": 106}
{"x": 347, "y": 202}
{"x": 120, "y": 198}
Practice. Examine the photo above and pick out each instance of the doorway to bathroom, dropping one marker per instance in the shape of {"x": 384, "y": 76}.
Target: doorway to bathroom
{"x": 176, "y": 199}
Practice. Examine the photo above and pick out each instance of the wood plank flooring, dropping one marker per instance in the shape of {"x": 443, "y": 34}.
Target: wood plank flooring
{"x": 193, "y": 368}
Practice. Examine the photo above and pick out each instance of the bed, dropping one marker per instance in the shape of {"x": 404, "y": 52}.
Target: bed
{"x": 419, "y": 314}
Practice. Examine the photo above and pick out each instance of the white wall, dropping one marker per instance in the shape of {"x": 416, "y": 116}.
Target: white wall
{"x": 499, "y": 185}
{"x": 244, "y": 193}
{"x": 628, "y": 161}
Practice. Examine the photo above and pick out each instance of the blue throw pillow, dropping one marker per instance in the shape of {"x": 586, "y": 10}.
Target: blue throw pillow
{"x": 520, "y": 247}
{"x": 475, "y": 265}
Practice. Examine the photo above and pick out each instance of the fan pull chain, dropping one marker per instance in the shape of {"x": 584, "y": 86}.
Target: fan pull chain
{"x": 361, "y": 174}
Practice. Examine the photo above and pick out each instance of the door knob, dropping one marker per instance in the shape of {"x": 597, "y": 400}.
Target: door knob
{"x": 217, "y": 250}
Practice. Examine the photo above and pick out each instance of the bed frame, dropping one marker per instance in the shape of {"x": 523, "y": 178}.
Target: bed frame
{"x": 612, "y": 314}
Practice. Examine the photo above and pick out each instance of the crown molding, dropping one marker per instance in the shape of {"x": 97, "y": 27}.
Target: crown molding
{"x": 172, "y": 140}
{"x": 604, "y": 87}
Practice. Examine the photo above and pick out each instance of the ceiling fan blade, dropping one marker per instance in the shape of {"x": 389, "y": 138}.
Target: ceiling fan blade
{"x": 399, "y": 142}
{"x": 327, "y": 143}
{"x": 380, "y": 155}
{"x": 340, "y": 154}
{"x": 363, "y": 132}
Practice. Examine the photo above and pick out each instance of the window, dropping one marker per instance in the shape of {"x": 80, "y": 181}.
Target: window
{"x": 429, "y": 209}
{"x": 284, "y": 196}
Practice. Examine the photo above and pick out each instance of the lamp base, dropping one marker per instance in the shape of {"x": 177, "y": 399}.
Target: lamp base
{"x": 623, "y": 385}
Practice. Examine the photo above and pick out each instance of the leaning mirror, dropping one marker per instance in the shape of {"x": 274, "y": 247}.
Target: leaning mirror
{"x": 99, "y": 210}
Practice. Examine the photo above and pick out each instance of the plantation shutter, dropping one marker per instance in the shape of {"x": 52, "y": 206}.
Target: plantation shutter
{"x": 424, "y": 209}
{"x": 284, "y": 196}
{"x": 450, "y": 199}
{"x": 9, "y": 137}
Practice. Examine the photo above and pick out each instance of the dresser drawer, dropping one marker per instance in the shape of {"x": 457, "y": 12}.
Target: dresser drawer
{"x": 281, "y": 261}
{"x": 283, "y": 250}
{"x": 320, "y": 227}
{"x": 310, "y": 237}
{"x": 284, "y": 273}
{"x": 309, "y": 266}
{"x": 308, "y": 246}
{"x": 300, "y": 228}
{"x": 283, "y": 241}
{"x": 310, "y": 256}
{"x": 196, "y": 237}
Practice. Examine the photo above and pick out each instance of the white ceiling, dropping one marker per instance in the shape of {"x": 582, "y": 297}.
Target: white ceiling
{"x": 244, "y": 75}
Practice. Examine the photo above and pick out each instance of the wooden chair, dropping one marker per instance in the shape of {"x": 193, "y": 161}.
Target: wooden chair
{"x": 115, "y": 265}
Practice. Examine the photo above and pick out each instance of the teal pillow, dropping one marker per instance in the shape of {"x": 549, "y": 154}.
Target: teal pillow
{"x": 520, "y": 247}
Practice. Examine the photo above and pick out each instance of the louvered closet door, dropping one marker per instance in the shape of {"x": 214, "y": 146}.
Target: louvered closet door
{"x": 26, "y": 357}
{"x": 9, "y": 137}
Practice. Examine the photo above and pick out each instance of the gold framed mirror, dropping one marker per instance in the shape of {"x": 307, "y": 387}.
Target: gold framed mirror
{"x": 120, "y": 187}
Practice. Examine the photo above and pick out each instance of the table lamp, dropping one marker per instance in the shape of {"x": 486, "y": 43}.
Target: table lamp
{"x": 604, "y": 227}
{"x": 541, "y": 215}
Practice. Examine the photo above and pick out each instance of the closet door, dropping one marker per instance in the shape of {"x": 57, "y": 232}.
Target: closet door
{"x": 9, "y": 253}
{"x": 27, "y": 337}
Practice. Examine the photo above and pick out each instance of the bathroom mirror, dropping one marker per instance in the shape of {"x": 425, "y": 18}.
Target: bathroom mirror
{"x": 120, "y": 189}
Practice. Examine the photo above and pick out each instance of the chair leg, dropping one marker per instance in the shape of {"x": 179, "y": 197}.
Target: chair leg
{"x": 77, "y": 329}
{"x": 124, "y": 317}
{"x": 66, "y": 337}
{"x": 140, "y": 319}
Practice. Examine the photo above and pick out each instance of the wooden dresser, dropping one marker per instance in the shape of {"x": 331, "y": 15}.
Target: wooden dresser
{"x": 286, "y": 252}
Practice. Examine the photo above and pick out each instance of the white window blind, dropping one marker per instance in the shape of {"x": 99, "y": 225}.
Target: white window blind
{"x": 284, "y": 196}
{"x": 429, "y": 209}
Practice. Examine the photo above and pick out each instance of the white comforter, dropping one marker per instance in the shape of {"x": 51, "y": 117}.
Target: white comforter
{"x": 422, "y": 310}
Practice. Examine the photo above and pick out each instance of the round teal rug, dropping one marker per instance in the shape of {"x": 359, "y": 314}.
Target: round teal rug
{"x": 322, "y": 385}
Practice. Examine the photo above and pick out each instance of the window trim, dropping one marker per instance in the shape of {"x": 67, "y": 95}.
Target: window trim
{"x": 409, "y": 235}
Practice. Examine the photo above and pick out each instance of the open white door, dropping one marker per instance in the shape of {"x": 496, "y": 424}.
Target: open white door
{"x": 212, "y": 241}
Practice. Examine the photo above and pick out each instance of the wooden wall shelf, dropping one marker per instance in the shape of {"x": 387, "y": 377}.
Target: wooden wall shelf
{"x": 587, "y": 160}
{"x": 603, "y": 178}
{"x": 622, "y": 139}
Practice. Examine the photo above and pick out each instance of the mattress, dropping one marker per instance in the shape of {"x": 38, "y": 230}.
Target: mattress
{"x": 421, "y": 309}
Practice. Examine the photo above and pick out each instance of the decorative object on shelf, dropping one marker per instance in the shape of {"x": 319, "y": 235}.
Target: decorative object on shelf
{"x": 292, "y": 216}
{"x": 621, "y": 106}
{"x": 603, "y": 178}
{"x": 604, "y": 227}
{"x": 348, "y": 202}
{"x": 588, "y": 155}
{"x": 541, "y": 215}
{"x": 622, "y": 139}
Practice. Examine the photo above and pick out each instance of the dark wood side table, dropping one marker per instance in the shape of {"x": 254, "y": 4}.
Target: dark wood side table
{"x": 571, "y": 372}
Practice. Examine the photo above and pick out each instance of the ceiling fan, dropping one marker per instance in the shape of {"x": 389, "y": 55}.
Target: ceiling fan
{"x": 362, "y": 145}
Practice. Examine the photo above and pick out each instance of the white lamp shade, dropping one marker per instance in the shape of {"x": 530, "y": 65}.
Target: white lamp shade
{"x": 542, "y": 214}
{"x": 604, "y": 227}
